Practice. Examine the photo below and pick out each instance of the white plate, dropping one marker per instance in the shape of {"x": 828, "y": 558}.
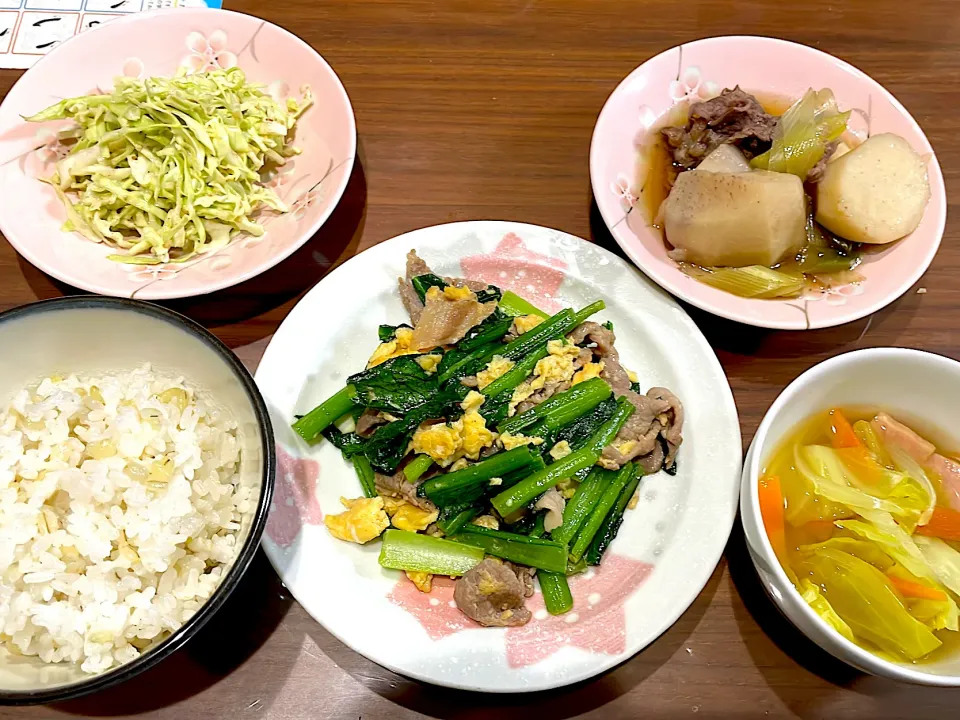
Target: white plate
{"x": 666, "y": 549}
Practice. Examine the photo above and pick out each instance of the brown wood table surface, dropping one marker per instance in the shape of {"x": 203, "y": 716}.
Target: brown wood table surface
{"x": 483, "y": 109}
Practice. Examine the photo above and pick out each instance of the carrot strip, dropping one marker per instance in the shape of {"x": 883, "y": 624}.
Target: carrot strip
{"x": 944, "y": 524}
{"x": 771, "y": 510}
{"x": 841, "y": 432}
{"x": 911, "y": 589}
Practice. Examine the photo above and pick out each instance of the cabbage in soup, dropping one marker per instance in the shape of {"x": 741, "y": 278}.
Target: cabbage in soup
{"x": 864, "y": 515}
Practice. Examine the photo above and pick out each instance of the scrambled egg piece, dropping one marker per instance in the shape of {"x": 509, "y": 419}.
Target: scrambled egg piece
{"x": 402, "y": 344}
{"x": 526, "y": 323}
{"x": 447, "y": 443}
{"x": 520, "y": 393}
{"x": 442, "y": 442}
{"x": 496, "y": 481}
{"x": 510, "y": 442}
{"x": 486, "y": 521}
{"x": 423, "y": 581}
{"x": 410, "y": 517}
{"x": 363, "y": 520}
{"x": 557, "y": 366}
{"x": 459, "y": 465}
{"x": 633, "y": 376}
{"x": 495, "y": 368}
{"x": 472, "y": 402}
{"x": 588, "y": 372}
{"x": 392, "y": 504}
{"x": 476, "y": 436}
{"x": 451, "y": 292}
{"x": 634, "y": 500}
{"x": 429, "y": 363}
{"x": 560, "y": 450}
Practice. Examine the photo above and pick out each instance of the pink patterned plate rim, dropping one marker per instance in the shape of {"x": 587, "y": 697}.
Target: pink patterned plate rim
{"x": 761, "y": 64}
{"x": 157, "y": 44}
{"x": 668, "y": 546}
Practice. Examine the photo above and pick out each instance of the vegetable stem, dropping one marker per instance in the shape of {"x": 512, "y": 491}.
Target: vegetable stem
{"x": 608, "y": 431}
{"x": 451, "y": 522}
{"x": 417, "y": 467}
{"x": 469, "y": 484}
{"x": 517, "y": 374}
{"x": 607, "y": 501}
{"x": 522, "y": 549}
{"x": 614, "y": 519}
{"x": 514, "y": 498}
{"x": 581, "y": 505}
{"x": 366, "y": 475}
{"x": 561, "y": 409}
{"x": 326, "y": 413}
{"x": 404, "y": 550}
{"x": 486, "y": 333}
{"x": 556, "y": 592}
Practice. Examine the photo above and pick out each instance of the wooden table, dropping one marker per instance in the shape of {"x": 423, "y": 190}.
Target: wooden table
{"x": 484, "y": 109}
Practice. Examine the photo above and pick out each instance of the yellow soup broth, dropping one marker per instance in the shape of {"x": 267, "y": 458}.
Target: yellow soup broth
{"x": 846, "y": 502}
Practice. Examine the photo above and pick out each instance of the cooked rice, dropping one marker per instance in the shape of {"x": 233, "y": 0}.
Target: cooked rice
{"x": 119, "y": 514}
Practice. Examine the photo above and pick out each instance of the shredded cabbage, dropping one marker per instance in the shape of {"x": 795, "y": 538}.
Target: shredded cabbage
{"x": 168, "y": 168}
{"x": 803, "y": 133}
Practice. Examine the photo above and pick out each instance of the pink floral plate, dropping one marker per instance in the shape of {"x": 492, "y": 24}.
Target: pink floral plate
{"x": 665, "y": 552}
{"x": 157, "y": 44}
{"x": 700, "y": 70}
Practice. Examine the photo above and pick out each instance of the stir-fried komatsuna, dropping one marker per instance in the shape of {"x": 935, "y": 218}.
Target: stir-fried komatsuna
{"x": 493, "y": 442}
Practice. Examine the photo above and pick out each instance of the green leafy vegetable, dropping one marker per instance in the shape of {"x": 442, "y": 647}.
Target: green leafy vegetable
{"x": 396, "y": 386}
{"x": 578, "y": 433}
{"x": 169, "y": 168}
{"x": 422, "y": 283}
{"x": 386, "y": 333}
{"x": 515, "y": 306}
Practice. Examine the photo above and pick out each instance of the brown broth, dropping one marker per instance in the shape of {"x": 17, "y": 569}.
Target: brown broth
{"x": 656, "y": 173}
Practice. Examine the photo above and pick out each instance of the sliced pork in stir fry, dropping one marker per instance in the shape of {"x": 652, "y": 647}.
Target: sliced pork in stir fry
{"x": 658, "y": 420}
{"x": 492, "y": 595}
{"x": 447, "y": 316}
{"x": 398, "y": 486}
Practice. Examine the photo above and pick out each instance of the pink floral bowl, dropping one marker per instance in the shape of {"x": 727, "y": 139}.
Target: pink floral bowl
{"x": 157, "y": 44}
{"x": 700, "y": 70}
